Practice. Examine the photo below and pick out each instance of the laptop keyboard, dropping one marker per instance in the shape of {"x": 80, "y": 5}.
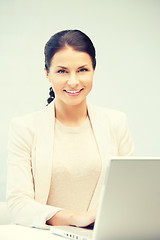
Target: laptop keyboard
{"x": 74, "y": 233}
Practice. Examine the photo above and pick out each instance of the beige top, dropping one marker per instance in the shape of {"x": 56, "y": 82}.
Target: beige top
{"x": 76, "y": 167}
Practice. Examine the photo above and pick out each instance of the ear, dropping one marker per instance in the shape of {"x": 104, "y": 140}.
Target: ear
{"x": 47, "y": 74}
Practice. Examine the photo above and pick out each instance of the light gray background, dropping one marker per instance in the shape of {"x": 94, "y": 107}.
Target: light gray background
{"x": 126, "y": 35}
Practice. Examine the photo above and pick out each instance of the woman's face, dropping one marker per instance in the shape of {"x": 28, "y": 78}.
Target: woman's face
{"x": 71, "y": 75}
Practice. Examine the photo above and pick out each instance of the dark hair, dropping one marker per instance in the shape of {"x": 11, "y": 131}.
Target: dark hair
{"x": 74, "y": 38}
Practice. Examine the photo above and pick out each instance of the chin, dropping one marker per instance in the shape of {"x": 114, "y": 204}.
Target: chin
{"x": 75, "y": 102}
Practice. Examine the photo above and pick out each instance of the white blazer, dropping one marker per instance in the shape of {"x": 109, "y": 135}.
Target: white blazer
{"x": 30, "y": 159}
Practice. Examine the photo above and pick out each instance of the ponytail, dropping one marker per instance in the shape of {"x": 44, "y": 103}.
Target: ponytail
{"x": 51, "y": 96}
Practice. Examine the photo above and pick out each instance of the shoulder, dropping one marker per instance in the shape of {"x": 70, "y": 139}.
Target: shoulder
{"x": 29, "y": 119}
{"x": 112, "y": 116}
{"x": 28, "y": 123}
{"x": 23, "y": 130}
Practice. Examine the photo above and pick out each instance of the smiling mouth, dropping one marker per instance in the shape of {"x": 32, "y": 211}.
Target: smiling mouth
{"x": 72, "y": 92}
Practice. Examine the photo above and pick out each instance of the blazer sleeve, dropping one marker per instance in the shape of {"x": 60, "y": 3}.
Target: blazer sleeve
{"x": 22, "y": 206}
{"x": 124, "y": 138}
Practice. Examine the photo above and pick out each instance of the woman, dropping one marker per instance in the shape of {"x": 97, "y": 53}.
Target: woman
{"x": 57, "y": 156}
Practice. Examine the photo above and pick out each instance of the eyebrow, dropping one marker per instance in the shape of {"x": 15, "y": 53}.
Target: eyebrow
{"x": 83, "y": 66}
{"x": 67, "y": 68}
{"x": 61, "y": 67}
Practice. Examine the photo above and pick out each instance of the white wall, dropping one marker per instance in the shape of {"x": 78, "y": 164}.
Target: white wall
{"x": 127, "y": 38}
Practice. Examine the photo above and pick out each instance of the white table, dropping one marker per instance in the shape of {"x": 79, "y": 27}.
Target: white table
{"x": 17, "y": 232}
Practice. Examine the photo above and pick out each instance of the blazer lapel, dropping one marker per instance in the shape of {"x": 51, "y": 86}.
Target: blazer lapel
{"x": 102, "y": 135}
{"x": 44, "y": 153}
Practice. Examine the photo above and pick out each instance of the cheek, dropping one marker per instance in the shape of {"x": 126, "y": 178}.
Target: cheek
{"x": 86, "y": 78}
{"x": 56, "y": 83}
{"x": 89, "y": 81}
{"x": 90, "y": 85}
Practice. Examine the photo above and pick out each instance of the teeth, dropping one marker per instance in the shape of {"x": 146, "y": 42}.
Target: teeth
{"x": 73, "y": 91}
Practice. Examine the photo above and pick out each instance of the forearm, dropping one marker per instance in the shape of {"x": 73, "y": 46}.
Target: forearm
{"x": 66, "y": 218}
{"x": 63, "y": 218}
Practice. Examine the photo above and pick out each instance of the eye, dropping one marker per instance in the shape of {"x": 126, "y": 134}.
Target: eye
{"x": 61, "y": 71}
{"x": 83, "y": 70}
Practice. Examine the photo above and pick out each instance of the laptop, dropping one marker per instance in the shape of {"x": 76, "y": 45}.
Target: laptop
{"x": 129, "y": 207}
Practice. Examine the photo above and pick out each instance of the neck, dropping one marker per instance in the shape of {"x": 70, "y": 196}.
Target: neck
{"x": 71, "y": 115}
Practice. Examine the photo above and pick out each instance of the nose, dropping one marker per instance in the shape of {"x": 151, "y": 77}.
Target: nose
{"x": 73, "y": 81}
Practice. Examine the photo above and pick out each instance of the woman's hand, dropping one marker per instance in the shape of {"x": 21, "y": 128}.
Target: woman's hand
{"x": 83, "y": 219}
{"x": 78, "y": 219}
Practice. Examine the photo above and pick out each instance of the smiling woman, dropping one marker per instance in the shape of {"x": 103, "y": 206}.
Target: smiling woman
{"x": 58, "y": 156}
{"x": 71, "y": 76}
{"x": 74, "y": 40}
{"x": 69, "y": 65}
